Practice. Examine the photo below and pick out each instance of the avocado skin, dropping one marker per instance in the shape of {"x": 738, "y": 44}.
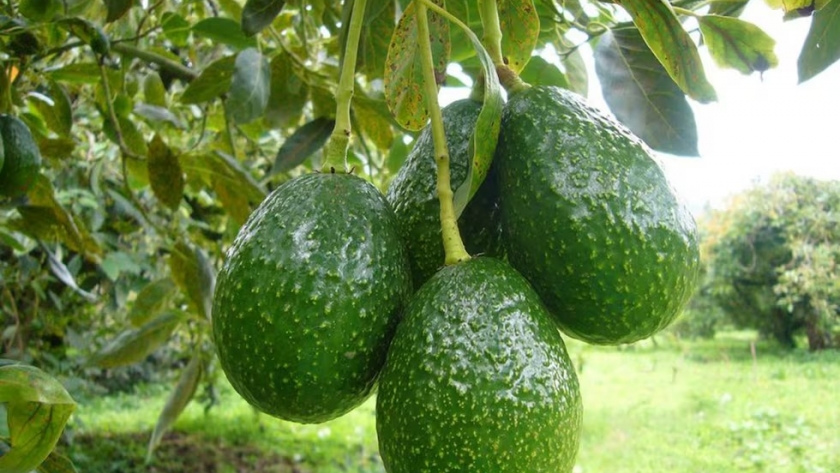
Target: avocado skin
{"x": 22, "y": 157}
{"x": 309, "y": 297}
{"x": 478, "y": 379}
{"x": 413, "y": 194}
{"x": 590, "y": 219}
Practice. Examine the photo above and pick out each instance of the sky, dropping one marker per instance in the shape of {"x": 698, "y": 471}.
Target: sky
{"x": 759, "y": 125}
{"x": 762, "y": 126}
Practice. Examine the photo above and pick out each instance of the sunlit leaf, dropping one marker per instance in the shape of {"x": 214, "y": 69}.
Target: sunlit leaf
{"x": 306, "y": 140}
{"x": 154, "y": 91}
{"x": 738, "y": 44}
{"x": 37, "y": 408}
{"x": 56, "y": 463}
{"x": 178, "y": 400}
{"x": 541, "y": 72}
{"x": 249, "y": 87}
{"x": 225, "y": 31}
{"x": 165, "y": 174}
{"x": 520, "y": 25}
{"x": 175, "y": 28}
{"x": 642, "y": 95}
{"x": 54, "y": 108}
{"x": 134, "y": 345}
{"x": 195, "y": 275}
{"x": 404, "y": 82}
{"x": 257, "y": 14}
{"x": 671, "y": 44}
{"x": 213, "y": 81}
{"x": 822, "y": 45}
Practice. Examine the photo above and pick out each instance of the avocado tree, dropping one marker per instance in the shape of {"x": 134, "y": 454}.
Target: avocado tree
{"x": 772, "y": 260}
{"x": 162, "y": 125}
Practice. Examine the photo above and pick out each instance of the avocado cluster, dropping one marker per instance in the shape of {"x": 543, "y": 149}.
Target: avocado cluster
{"x": 332, "y": 290}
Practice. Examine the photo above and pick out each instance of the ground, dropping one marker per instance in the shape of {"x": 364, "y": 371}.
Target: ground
{"x": 672, "y": 405}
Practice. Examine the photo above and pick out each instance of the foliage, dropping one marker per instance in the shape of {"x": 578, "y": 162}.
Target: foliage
{"x": 162, "y": 125}
{"x": 772, "y": 257}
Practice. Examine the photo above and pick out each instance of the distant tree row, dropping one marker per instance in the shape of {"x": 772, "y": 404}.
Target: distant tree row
{"x": 771, "y": 263}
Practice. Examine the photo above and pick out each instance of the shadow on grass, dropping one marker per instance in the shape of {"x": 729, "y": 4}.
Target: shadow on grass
{"x": 178, "y": 453}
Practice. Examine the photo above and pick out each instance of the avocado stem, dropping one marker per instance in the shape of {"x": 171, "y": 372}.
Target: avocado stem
{"x": 489, "y": 13}
{"x": 335, "y": 153}
{"x": 452, "y": 244}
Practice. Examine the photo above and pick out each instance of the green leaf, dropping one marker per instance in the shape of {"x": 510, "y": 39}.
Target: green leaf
{"x": 376, "y": 36}
{"x": 194, "y": 274}
{"x": 520, "y": 30}
{"x": 90, "y": 33}
{"x": 57, "y": 463}
{"x": 237, "y": 190}
{"x": 37, "y": 408}
{"x": 213, "y": 81}
{"x": 287, "y": 95}
{"x": 224, "y": 31}
{"x": 486, "y": 135}
{"x": 132, "y": 137}
{"x": 302, "y": 143}
{"x": 258, "y": 14}
{"x": 177, "y": 402}
{"x": 738, "y": 44}
{"x": 541, "y": 72}
{"x": 175, "y": 28}
{"x": 156, "y": 114}
{"x": 151, "y": 301}
{"x": 373, "y": 125}
{"x": 55, "y": 108}
{"x": 732, "y": 8}
{"x": 76, "y": 73}
{"x": 57, "y": 148}
{"x": 404, "y": 83}
{"x": 154, "y": 92}
{"x": 822, "y": 45}
{"x": 250, "y": 87}
{"x": 117, "y": 9}
{"x": 165, "y": 174}
{"x": 46, "y": 219}
{"x": 134, "y": 345}
{"x": 39, "y": 10}
{"x": 576, "y": 72}
{"x": 671, "y": 44}
{"x": 118, "y": 262}
{"x": 642, "y": 95}
{"x": 468, "y": 12}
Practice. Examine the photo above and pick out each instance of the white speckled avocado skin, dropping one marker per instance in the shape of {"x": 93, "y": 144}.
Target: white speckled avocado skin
{"x": 478, "y": 380}
{"x": 590, "y": 219}
{"x": 309, "y": 297}
{"x": 413, "y": 195}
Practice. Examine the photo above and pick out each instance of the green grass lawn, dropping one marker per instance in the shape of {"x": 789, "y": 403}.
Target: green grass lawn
{"x": 680, "y": 407}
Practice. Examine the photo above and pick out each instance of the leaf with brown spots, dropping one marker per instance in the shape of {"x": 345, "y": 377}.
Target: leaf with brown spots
{"x": 404, "y": 83}
{"x": 520, "y": 30}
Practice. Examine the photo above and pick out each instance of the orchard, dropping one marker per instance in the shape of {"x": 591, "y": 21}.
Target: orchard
{"x": 274, "y": 193}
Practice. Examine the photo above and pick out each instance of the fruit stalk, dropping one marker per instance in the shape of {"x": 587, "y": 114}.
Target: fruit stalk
{"x": 492, "y": 41}
{"x": 336, "y": 150}
{"x": 492, "y": 31}
{"x": 452, "y": 243}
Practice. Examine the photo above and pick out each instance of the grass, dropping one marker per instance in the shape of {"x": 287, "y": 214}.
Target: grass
{"x": 677, "y": 406}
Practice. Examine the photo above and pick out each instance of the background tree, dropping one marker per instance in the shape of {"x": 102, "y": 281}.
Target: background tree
{"x": 772, "y": 260}
{"x": 162, "y": 124}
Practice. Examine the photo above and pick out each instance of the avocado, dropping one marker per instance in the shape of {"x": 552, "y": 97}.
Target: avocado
{"x": 413, "y": 195}
{"x": 309, "y": 296}
{"x": 478, "y": 379}
{"x": 590, "y": 219}
{"x": 21, "y": 159}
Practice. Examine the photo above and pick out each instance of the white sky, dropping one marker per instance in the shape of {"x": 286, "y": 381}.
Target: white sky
{"x": 757, "y": 127}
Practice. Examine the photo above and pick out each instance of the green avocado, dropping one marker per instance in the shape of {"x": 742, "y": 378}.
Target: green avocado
{"x": 21, "y": 159}
{"x": 478, "y": 379}
{"x": 413, "y": 194}
{"x": 590, "y": 219}
{"x": 309, "y": 297}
